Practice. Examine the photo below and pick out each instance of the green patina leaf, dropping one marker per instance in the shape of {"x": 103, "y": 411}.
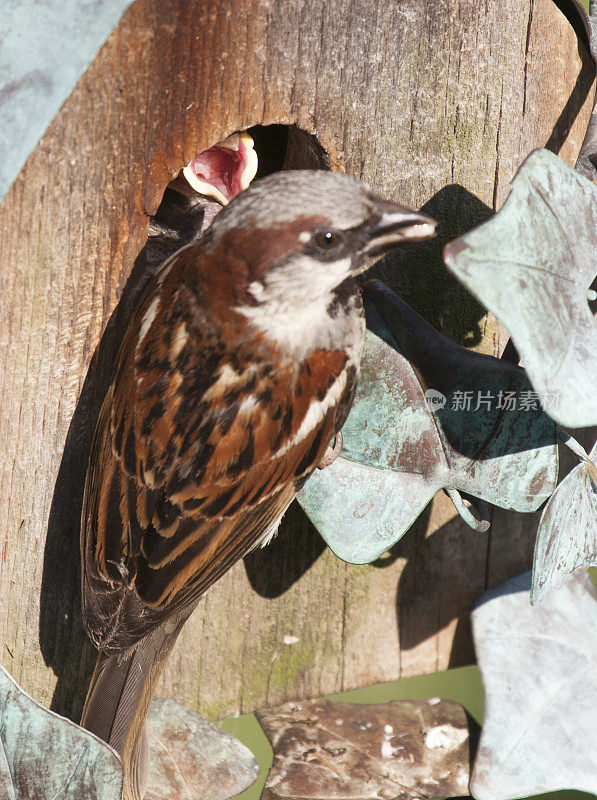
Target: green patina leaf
{"x": 567, "y": 534}
{"x": 45, "y": 756}
{"x": 532, "y": 265}
{"x": 539, "y": 669}
{"x": 36, "y": 78}
{"x": 192, "y": 759}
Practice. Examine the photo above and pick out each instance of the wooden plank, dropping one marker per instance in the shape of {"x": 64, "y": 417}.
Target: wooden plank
{"x": 432, "y": 103}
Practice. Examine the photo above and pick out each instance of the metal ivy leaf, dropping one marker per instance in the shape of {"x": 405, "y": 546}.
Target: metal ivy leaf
{"x": 532, "y": 265}
{"x": 567, "y": 534}
{"x": 40, "y": 62}
{"x": 399, "y": 750}
{"x": 539, "y": 669}
{"x": 45, "y": 756}
{"x": 191, "y": 759}
{"x": 428, "y": 414}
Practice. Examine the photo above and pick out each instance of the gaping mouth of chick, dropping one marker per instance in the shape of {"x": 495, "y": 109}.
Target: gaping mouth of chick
{"x": 225, "y": 170}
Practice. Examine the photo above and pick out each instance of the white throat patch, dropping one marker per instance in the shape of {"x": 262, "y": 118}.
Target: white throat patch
{"x": 292, "y": 305}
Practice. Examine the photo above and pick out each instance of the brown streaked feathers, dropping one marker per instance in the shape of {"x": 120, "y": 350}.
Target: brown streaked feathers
{"x": 184, "y": 475}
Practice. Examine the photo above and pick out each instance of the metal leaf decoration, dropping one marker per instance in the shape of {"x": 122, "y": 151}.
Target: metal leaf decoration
{"x": 191, "y": 759}
{"x": 539, "y": 669}
{"x": 35, "y": 77}
{"x": 428, "y": 414}
{"x": 567, "y": 534}
{"x": 532, "y": 265}
{"x": 401, "y": 750}
{"x": 45, "y": 756}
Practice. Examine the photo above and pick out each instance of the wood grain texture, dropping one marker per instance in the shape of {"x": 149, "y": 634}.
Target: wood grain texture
{"x": 434, "y": 104}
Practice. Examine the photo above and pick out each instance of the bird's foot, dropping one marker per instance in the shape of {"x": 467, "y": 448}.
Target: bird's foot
{"x": 332, "y": 453}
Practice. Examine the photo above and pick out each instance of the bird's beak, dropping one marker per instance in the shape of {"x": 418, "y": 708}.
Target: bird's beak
{"x": 395, "y": 225}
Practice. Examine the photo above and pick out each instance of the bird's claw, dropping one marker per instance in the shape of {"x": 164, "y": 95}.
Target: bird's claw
{"x": 332, "y": 453}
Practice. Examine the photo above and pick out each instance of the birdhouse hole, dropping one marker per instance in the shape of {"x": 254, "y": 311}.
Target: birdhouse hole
{"x": 281, "y": 147}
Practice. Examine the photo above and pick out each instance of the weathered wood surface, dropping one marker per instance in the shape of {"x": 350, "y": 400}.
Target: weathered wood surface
{"x": 432, "y": 103}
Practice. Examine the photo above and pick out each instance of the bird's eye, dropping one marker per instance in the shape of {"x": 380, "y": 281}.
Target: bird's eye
{"x": 327, "y": 240}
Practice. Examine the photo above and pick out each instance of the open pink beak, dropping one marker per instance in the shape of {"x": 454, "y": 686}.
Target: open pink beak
{"x": 225, "y": 169}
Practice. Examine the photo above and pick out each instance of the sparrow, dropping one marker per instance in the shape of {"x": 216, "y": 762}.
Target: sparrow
{"x": 237, "y": 369}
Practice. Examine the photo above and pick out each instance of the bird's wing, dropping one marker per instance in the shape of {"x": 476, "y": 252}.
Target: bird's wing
{"x": 195, "y": 458}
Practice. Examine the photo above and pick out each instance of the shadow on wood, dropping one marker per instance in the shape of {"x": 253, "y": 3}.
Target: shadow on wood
{"x": 582, "y": 87}
{"x": 418, "y": 275}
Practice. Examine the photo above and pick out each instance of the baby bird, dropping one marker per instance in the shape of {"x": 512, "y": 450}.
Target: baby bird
{"x": 237, "y": 369}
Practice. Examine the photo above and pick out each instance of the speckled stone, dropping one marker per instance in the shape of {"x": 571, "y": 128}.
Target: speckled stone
{"x": 344, "y": 751}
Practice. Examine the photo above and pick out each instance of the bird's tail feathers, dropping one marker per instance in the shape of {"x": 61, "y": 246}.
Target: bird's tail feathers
{"x": 119, "y": 696}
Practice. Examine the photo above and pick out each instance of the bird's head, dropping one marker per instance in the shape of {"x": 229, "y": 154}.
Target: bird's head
{"x": 292, "y": 238}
